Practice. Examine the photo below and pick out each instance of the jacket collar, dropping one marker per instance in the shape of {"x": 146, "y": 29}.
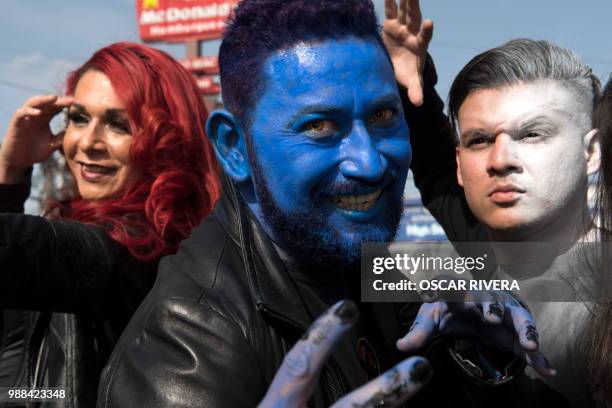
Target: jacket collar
{"x": 271, "y": 285}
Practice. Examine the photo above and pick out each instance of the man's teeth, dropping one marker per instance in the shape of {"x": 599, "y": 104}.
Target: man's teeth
{"x": 356, "y": 202}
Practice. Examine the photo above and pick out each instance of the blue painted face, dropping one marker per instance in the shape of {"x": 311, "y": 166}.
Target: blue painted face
{"x": 329, "y": 149}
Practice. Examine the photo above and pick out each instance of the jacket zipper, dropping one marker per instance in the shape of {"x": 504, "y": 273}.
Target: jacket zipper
{"x": 263, "y": 308}
{"x": 335, "y": 370}
{"x": 333, "y": 366}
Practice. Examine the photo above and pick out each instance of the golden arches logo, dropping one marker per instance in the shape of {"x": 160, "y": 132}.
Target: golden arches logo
{"x": 149, "y": 4}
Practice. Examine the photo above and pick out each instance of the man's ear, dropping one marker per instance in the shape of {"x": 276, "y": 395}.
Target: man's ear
{"x": 592, "y": 151}
{"x": 458, "y": 160}
{"x": 229, "y": 142}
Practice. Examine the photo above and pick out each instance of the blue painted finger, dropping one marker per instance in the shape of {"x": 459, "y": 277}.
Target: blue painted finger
{"x": 297, "y": 376}
{"x": 525, "y": 327}
{"x": 493, "y": 311}
{"x": 392, "y": 388}
{"x": 539, "y": 363}
{"x": 425, "y": 326}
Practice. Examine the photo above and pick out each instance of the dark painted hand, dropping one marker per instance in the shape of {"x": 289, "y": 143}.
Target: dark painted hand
{"x": 499, "y": 321}
{"x": 297, "y": 377}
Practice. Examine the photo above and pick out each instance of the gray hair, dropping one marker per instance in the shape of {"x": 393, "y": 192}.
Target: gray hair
{"x": 525, "y": 60}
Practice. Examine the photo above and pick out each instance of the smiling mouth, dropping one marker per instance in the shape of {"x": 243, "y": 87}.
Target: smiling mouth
{"x": 356, "y": 202}
{"x": 95, "y": 173}
{"x": 97, "y": 170}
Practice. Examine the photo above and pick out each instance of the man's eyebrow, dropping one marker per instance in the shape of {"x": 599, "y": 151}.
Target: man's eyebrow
{"x": 319, "y": 108}
{"x": 475, "y": 132}
{"x": 385, "y": 100}
{"x": 542, "y": 119}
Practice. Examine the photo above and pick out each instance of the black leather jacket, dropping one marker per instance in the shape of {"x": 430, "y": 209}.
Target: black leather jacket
{"x": 220, "y": 318}
{"x": 61, "y": 266}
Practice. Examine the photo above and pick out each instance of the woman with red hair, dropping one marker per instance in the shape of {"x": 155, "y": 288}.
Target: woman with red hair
{"x": 145, "y": 176}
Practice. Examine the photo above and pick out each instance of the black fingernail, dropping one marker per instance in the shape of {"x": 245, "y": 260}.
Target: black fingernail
{"x": 347, "y": 312}
{"x": 495, "y": 309}
{"x": 532, "y": 333}
{"x": 421, "y": 372}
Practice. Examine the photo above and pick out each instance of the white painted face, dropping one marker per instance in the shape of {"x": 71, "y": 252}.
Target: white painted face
{"x": 524, "y": 156}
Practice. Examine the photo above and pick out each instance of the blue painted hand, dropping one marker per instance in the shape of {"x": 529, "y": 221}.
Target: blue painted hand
{"x": 297, "y": 377}
{"x": 497, "y": 319}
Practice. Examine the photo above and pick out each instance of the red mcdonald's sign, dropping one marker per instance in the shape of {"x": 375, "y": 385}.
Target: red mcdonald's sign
{"x": 179, "y": 20}
{"x": 208, "y": 85}
{"x": 207, "y": 64}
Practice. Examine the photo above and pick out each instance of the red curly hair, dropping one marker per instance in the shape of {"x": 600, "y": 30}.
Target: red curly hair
{"x": 167, "y": 120}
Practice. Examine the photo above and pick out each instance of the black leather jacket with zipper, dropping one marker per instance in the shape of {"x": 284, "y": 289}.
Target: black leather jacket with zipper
{"x": 223, "y": 313}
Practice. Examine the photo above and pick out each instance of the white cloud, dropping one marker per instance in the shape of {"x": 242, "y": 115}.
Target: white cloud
{"x": 25, "y": 61}
{"x": 36, "y": 70}
{"x": 37, "y": 60}
{"x": 28, "y": 74}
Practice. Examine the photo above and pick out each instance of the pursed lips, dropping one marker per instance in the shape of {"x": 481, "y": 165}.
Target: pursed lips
{"x": 505, "y": 194}
{"x": 506, "y": 188}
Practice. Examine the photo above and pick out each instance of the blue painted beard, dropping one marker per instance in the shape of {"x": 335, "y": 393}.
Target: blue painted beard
{"x": 309, "y": 238}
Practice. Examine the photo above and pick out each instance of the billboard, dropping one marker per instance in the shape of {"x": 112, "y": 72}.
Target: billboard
{"x": 206, "y": 64}
{"x": 181, "y": 20}
{"x": 209, "y": 85}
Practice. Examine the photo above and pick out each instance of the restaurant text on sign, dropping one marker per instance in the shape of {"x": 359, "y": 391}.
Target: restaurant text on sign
{"x": 176, "y": 20}
{"x": 207, "y": 64}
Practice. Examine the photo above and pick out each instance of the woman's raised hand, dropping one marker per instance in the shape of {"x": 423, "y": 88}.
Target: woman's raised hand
{"x": 29, "y": 138}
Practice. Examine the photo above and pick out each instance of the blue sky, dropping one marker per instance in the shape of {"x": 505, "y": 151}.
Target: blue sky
{"x": 42, "y": 40}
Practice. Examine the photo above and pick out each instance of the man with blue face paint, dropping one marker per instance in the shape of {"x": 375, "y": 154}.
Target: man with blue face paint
{"x": 315, "y": 151}
{"x": 328, "y": 155}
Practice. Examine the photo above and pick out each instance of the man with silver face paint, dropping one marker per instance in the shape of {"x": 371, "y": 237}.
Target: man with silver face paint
{"x": 525, "y": 148}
